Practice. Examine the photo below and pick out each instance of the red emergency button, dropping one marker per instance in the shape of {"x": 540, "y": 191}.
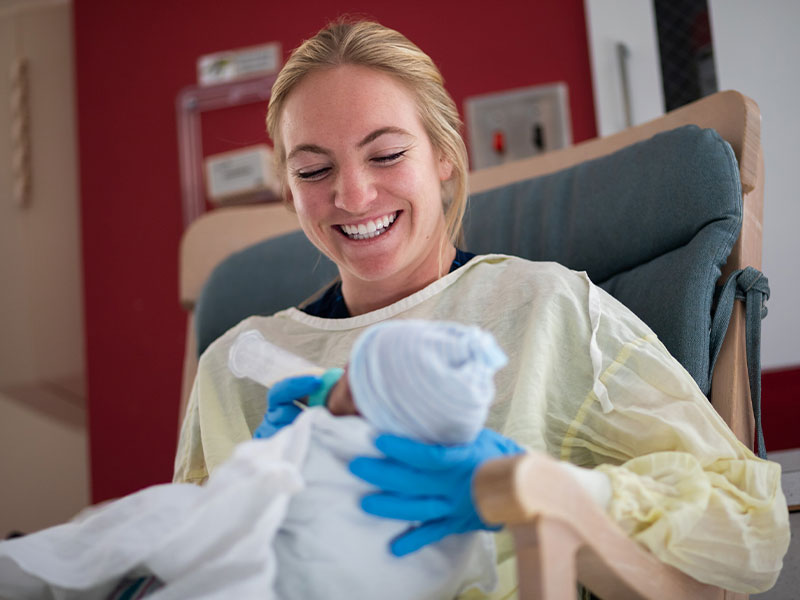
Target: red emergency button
{"x": 499, "y": 142}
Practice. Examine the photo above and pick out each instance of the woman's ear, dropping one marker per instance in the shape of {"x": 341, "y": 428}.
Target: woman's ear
{"x": 445, "y": 168}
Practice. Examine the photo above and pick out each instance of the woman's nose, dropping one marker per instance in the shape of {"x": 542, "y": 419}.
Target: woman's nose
{"x": 355, "y": 191}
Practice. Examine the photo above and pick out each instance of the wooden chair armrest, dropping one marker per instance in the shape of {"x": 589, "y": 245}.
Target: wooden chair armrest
{"x": 561, "y": 536}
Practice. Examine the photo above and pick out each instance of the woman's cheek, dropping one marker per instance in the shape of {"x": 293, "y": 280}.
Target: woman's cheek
{"x": 310, "y": 207}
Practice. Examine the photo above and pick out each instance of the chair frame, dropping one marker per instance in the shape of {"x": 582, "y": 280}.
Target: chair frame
{"x": 561, "y": 536}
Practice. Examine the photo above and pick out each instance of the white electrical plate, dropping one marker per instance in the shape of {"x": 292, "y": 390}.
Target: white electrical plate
{"x": 508, "y": 126}
{"x": 243, "y": 175}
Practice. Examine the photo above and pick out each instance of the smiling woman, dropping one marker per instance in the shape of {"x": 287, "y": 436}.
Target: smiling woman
{"x": 367, "y": 142}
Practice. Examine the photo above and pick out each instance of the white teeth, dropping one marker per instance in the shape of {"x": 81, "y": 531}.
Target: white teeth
{"x": 369, "y": 229}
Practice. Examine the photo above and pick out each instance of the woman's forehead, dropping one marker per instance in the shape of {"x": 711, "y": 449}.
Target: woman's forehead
{"x": 350, "y": 101}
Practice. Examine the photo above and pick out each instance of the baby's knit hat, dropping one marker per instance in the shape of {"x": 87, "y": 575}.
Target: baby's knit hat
{"x": 430, "y": 380}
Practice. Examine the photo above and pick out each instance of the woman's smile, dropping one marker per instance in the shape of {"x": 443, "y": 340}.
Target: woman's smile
{"x": 369, "y": 229}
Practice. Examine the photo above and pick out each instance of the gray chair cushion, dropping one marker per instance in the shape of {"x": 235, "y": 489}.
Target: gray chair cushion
{"x": 652, "y": 224}
{"x": 260, "y": 280}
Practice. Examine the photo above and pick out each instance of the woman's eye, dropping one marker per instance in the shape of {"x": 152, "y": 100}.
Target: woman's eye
{"x": 313, "y": 174}
{"x": 388, "y": 159}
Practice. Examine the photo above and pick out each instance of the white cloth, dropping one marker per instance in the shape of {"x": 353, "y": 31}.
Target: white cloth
{"x": 587, "y": 382}
{"x": 210, "y": 542}
{"x": 276, "y": 510}
{"x": 428, "y": 380}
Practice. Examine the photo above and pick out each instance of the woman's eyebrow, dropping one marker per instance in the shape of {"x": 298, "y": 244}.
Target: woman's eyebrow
{"x": 382, "y": 131}
{"x": 307, "y": 148}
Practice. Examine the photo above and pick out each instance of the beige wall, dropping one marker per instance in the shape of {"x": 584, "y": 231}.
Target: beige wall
{"x": 43, "y": 471}
{"x": 43, "y": 456}
{"x": 756, "y": 51}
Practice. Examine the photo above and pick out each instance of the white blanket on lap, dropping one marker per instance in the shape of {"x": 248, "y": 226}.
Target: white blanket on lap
{"x": 280, "y": 519}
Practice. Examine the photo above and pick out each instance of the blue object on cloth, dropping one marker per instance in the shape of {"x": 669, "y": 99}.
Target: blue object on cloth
{"x": 428, "y": 484}
{"x": 281, "y": 407}
{"x": 133, "y": 588}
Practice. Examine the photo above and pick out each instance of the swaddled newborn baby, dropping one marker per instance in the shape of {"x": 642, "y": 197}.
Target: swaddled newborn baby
{"x": 432, "y": 381}
{"x": 281, "y": 517}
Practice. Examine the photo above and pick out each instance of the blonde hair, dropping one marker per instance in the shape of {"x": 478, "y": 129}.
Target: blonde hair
{"x": 369, "y": 44}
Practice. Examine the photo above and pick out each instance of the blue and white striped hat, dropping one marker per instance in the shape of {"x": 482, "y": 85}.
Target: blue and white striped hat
{"x": 430, "y": 380}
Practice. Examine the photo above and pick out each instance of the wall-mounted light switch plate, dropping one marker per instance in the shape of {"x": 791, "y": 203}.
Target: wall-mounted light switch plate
{"x": 515, "y": 124}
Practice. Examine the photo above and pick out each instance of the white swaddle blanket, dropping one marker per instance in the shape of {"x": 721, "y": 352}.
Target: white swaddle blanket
{"x": 280, "y": 519}
{"x": 203, "y": 542}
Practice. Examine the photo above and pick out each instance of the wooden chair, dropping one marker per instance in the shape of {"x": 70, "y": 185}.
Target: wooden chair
{"x": 561, "y": 537}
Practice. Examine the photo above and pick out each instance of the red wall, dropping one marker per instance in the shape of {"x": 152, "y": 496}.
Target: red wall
{"x": 780, "y": 407}
{"x": 132, "y": 58}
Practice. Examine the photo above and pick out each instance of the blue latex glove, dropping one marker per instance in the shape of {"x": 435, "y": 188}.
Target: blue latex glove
{"x": 281, "y": 407}
{"x": 429, "y": 484}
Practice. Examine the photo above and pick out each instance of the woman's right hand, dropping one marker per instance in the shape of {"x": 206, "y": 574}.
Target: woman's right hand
{"x": 428, "y": 485}
{"x": 281, "y": 407}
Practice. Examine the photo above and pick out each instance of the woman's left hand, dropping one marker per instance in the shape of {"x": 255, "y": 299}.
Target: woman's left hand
{"x": 429, "y": 484}
{"x": 281, "y": 403}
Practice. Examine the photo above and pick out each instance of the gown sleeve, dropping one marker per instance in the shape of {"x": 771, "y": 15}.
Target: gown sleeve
{"x": 682, "y": 484}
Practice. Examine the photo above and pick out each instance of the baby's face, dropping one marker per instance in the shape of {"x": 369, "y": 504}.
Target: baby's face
{"x": 340, "y": 401}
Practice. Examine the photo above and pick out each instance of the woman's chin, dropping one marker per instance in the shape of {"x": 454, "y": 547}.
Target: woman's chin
{"x": 372, "y": 270}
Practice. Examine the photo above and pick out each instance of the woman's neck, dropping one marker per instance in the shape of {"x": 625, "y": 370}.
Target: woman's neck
{"x": 365, "y": 296}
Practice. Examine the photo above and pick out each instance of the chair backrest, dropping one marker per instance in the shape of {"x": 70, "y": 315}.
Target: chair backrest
{"x": 651, "y": 219}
